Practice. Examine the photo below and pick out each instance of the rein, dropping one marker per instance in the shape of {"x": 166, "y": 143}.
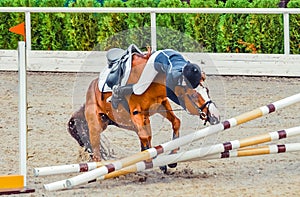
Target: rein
{"x": 149, "y": 111}
{"x": 200, "y": 109}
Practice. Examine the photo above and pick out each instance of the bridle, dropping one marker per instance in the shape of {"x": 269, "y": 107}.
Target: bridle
{"x": 200, "y": 109}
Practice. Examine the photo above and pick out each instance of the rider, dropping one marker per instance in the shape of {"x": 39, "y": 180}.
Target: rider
{"x": 169, "y": 62}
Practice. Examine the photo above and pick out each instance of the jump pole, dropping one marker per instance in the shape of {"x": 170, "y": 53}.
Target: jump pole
{"x": 215, "y": 151}
{"x": 16, "y": 184}
{"x": 153, "y": 152}
{"x": 22, "y": 109}
{"x": 178, "y": 157}
{"x": 269, "y": 149}
{"x": 71, "y": 168}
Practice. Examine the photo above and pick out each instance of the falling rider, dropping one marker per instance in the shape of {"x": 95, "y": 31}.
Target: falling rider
{"x": 178, "y": 70}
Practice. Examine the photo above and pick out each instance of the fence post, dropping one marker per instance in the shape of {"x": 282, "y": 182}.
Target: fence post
{"x": 286, "y": 33}
{"x": 28, "y": 30}
{"x": 153, "y": 31}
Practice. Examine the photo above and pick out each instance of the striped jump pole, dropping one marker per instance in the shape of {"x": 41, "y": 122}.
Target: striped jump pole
{"x": 153, "y": 152}
{"x": 71, "y": 168}
{"x": 205, "y": 152}
{"x": 269, "y": 149}
{"x": 200, "y": 153}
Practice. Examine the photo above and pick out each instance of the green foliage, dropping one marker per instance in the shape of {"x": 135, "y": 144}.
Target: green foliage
{"x": 82, "y": 28}
{"x": 171, "y": 28}
{"x": 246, "y": 33}
{"x": 294, "y": 28}
{"x": 203, "y": 27}
{"x": 172, "y": 21}
{"x": 264, "y": 32}
{"x": 48, "y": 29}
{"x": 109, "y": 25}
{"x": 231, "y": 28}
{"x": 9, "y": 40}
{"x": 138, "y": 24}
{"x": 136, "y": 20}
{"x": 170, "y": 38}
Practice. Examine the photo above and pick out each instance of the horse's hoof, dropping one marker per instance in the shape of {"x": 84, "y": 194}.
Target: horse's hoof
{"x": 172, "y": 165}
{"x": 163, "y": 169}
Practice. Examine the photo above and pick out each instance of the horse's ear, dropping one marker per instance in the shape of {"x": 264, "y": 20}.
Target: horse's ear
{"x": 148, "y": 49}
{"x": 148, "y": 52}
{"x": 203, "y": 76}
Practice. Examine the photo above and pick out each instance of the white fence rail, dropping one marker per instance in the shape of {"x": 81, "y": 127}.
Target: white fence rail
{"x": 217, "y": 64}
{"x": 212, "y": 63}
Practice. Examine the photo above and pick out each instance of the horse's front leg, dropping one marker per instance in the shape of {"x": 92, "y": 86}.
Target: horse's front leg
{"x": 95, "y": 128}
{"x": 169, "y": 114}
{"x": 142, "y": 123}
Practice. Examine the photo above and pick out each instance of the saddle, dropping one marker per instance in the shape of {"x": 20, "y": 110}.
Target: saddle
{"x": 119, "y": 63}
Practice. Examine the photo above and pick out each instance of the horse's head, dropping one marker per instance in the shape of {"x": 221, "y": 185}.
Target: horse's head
{"x": 198, "y": 102}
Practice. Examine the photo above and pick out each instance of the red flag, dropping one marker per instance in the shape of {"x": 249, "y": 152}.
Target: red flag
{"x": 19, "y": 29}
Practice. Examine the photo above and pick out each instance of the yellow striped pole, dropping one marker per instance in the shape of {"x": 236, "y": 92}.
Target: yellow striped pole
{"x": 205, "y": 152}
{"x": 269, "y": 149}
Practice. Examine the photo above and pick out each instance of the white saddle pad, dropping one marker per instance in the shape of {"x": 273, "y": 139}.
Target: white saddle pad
{"x": 102, "y": 79}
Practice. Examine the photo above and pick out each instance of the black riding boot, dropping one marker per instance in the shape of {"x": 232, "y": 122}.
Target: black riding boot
{"x": 119, "y": 94}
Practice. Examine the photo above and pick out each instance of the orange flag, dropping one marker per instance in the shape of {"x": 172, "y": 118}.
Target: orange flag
{"x": 19, "y": 29}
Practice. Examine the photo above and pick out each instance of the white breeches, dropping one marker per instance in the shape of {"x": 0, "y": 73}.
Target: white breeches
{"x": 147, "y": 76}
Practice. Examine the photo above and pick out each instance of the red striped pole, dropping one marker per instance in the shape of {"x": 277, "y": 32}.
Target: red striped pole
{"x": 160, "y": 160}
{"x": 153, "y": 152}
{"x": 71, "y": 168}
{"x": 269, "y": 149}
{"x": 205, "y": 152}
{"x": 201, "y": 153}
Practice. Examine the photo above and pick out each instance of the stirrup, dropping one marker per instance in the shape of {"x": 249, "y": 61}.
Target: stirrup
{"x": 116, "y": 101}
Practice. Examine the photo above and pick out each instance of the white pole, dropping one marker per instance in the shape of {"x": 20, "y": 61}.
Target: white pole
{"x": 286, "y": 31}
{"x": 153, "y": 31}
{"x": 22, "y": 108}
{"x": 28, "y": 30}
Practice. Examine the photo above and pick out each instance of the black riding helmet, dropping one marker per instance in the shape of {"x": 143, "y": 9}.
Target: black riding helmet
{"x": 192, "y": 74}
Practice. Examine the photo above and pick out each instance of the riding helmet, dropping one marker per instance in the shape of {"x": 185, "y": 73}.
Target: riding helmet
{"x": 192, "y": 74}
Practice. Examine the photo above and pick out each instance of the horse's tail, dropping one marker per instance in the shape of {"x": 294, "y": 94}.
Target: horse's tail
{"x": 78, "y": 128}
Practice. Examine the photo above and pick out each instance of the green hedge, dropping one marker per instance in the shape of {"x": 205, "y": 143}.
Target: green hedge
{"x": 294, "y": 28}
{"x": 9, "y": 40}
{"x": 241, "y": 33}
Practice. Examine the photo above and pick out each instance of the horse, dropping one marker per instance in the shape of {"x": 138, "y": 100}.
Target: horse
{"x": 97, "y": 113}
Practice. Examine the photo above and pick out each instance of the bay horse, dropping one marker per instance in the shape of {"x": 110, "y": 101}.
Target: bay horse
{"x": 86, "y": 124}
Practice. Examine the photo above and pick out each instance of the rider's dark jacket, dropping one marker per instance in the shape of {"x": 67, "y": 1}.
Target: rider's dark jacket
{"x": 171, "y": 63}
